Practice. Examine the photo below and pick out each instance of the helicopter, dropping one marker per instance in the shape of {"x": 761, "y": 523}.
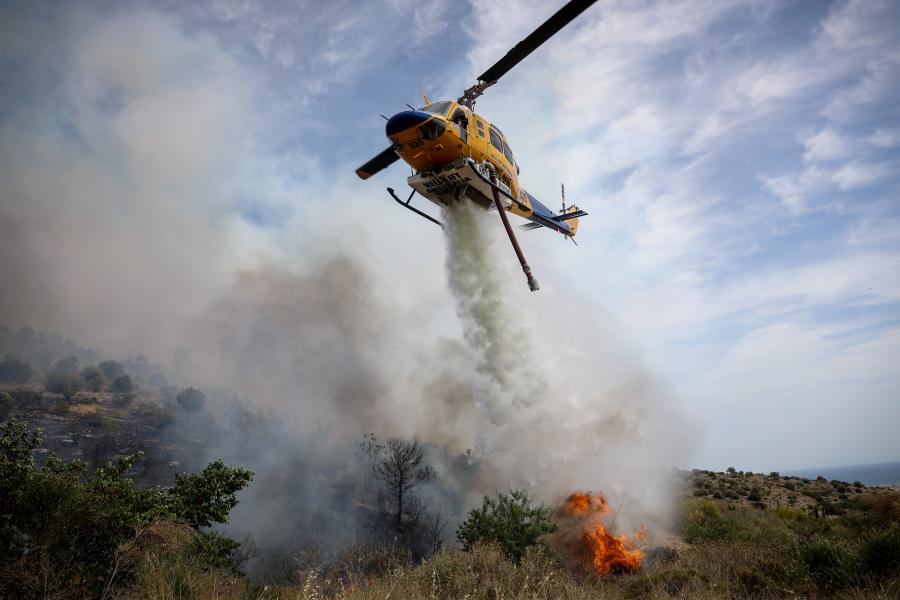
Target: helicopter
{"x": 456, "y": 154}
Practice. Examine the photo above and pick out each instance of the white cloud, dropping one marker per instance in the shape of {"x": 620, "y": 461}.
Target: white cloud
{"x": 856, "y": 24}
{"x": 856, "y": 173}
{"x": 795, "y": 189}
{"x": 884, "y": 138}
{"x": 826, "y": 145}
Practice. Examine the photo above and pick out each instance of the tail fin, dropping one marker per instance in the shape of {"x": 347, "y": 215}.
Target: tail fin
{"x": 573, "y": 221}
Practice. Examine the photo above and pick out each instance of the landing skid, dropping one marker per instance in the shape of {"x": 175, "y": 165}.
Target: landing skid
{"x": 499, "y": 204}
{"x": 412, "y": 208}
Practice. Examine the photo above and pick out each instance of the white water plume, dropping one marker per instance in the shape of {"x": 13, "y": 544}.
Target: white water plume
{"x": 500, "y": 341}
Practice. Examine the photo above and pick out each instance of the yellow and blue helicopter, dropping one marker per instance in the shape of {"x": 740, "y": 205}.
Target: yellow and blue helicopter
{"x": 457, "y": 154}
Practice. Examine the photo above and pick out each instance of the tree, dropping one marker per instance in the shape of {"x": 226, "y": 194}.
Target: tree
{"x": 111, "y": 369}
{"x": 14, "y": 370}
{"x": 401, "y": 470}
{"x": 513, "y": 520}
{"x": 204, "y": 498}
{"x": 93, "y": 378}
{"x": 122, "y": 384}
{"x": 191, "y": 399}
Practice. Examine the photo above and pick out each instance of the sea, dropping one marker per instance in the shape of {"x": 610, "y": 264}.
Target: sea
{"x": 873, "y": 474}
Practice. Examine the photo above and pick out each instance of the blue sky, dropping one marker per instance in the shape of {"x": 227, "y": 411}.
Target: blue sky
{"x": 739, "y": 161}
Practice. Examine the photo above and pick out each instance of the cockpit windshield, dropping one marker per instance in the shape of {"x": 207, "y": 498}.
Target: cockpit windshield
{"x": 438, "y": 108}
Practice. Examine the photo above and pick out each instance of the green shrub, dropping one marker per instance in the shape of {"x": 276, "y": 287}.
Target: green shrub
{"x": 761, "y": 526}
{"x": 830, "y": 562}
{"x": 94, "y": 379}
{"x": 882, "y": 507}
{"x": 512, "y": 520}
{"x": 61, "y": 527}
{"x": 191, "y": 399}
{"x": 789, "y": 515}
{"x": 111, "y": 369}
{"x": 14, "y": 370}
{"x": 63, "y": 383}
{"x": 702, "y": 521}
{"x": 122, "y": 384}
{"x": 880, "y": 551}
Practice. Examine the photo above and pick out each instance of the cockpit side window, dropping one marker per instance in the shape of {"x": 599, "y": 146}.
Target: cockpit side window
{"x": 508, "y": 153}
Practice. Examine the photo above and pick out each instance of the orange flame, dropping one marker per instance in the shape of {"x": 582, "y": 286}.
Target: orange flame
{"x": 584, "y": 538}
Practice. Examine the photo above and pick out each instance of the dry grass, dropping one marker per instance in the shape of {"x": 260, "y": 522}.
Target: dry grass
{"x": 705, "y": 571}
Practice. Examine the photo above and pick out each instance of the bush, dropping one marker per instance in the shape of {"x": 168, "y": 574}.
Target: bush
{"x": 93, "y": 378}
{"x": 830, "y": 562}
{"x": 14, "y": 370}
{"x": 513, "y": 520}
{"x": 882, "y": 507}
{"x": 702, "y": 521}
{"x": 122, "y": 384}
{"x": 63, "y": 383}
{"x": 60, "y": 528}
{"x": 111, "y": 369}
{"x": 191, "y": 399}
{"x": 880, "y": 552}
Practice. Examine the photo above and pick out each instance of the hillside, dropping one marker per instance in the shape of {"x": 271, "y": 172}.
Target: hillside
{"x": 736, "y": 535}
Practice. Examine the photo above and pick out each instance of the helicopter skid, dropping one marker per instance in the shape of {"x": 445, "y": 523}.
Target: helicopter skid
{"x": 454, "y": 182}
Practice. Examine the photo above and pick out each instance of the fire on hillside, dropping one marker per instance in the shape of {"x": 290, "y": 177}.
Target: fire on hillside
{"x": 584, "y": 538}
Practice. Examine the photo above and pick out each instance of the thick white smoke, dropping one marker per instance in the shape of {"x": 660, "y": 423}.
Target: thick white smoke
{"x": 560, "y": 412}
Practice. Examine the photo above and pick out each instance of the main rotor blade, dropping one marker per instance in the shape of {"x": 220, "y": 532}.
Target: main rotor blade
{"x": 540, "y": 35}
{"x": 383, "y": 159}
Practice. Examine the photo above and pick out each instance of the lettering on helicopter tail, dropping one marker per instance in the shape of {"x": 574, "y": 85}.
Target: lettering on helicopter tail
{"x": 440, "y": 184}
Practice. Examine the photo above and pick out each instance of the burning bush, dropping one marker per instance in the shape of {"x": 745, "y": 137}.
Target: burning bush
{"x": 584, "y": 540}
